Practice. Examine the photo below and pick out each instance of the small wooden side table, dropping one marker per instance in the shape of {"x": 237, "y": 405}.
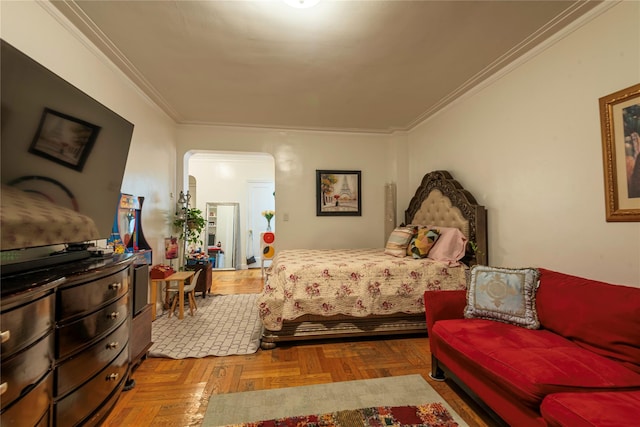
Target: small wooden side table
{"x": 183, "y": 278}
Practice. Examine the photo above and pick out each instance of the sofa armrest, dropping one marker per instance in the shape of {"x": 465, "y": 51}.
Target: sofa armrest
{"x": 442, "y": 305}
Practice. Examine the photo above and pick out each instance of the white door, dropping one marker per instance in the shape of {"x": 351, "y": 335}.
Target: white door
{"x": 261, "y": 198}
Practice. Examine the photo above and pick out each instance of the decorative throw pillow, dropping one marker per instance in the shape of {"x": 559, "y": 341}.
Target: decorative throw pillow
{"x": 451, "y": 245}
{"x": 503, "y": 294}
{"x": 398, "y": 241}
{"x": 422, "y": 243}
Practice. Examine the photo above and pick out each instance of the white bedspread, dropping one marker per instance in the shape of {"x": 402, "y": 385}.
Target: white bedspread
{"x": 354, "y": 282}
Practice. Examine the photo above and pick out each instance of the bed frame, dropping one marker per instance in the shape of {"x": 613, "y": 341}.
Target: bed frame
{"x": 428, "y": 207}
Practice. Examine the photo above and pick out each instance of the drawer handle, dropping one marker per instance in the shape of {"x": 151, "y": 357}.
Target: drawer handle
{"x": 113, "y": 377}
{"x": 4, "y": 387}
{"x": 115, "y": 286}
{"x": 112, "y": 345}
{"x": 5, "y": 336}
{"x": 114, "y": 315}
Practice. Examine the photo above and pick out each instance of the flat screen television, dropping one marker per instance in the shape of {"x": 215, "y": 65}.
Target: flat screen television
{"x": 61, "y": 146}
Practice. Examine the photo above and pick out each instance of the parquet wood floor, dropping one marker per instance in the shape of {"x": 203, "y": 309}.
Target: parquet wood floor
{"x": 176, "y": 392}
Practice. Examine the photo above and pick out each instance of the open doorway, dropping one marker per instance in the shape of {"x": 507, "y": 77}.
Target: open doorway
{"x": 227, "y": 177}
{"x": 261, "y": 198}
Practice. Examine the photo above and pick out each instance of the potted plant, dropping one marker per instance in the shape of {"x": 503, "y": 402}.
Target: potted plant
{"x": 195, "y": 223}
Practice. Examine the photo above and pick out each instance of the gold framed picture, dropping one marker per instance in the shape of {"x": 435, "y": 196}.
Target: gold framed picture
{"x": 620, "y": 127}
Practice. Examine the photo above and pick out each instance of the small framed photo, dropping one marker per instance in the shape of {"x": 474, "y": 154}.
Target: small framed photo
{"x": 620, "y": 126}
{"x": 64, "y": 139}
{"x": 338, "y": 193}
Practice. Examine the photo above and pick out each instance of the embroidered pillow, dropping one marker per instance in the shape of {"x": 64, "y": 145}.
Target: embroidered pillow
{"x": 503, "y": 294}
{"x": 398, "y": 241}
{"x": 422, "y": 243}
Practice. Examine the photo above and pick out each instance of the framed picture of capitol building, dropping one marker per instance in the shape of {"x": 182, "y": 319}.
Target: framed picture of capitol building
{"x": 338, "y": 193}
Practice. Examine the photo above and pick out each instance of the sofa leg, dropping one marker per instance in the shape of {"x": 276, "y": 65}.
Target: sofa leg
{"x": 437, "y": 374}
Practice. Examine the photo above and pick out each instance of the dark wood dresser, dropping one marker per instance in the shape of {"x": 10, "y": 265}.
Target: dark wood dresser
{"x": 67, "y": 355}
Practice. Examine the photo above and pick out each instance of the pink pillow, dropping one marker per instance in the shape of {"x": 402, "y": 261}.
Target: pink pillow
{"x": 450, "y": 246}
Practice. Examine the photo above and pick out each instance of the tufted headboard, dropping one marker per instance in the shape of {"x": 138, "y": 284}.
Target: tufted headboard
{"x": 441, "y": 200}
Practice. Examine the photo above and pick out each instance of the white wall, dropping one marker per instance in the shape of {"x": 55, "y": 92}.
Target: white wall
{"x": 38, "y": 30}
{"x": 528, "y": 147}
{"x": 222, "y": 177}
{"x": 297, "y": 156}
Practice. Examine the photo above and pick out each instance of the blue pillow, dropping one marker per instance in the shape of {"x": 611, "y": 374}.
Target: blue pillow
{"x": 503, "y": 294}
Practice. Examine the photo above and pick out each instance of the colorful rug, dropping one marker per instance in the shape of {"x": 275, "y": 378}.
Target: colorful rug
{"x": 427, "y": 415}
{"x": 223, "y": 325}
{"x": 247, "y": 407}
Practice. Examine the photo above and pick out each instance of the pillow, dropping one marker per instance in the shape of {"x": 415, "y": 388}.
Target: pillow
{"x": 421, "y": 244}
{"x": 450, "y": 247}
{"x": 504, "y": 294}
{"x": 398, "y": 241}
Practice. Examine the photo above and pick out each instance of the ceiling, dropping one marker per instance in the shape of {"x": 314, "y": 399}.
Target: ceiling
{"x": 376, "y": 66}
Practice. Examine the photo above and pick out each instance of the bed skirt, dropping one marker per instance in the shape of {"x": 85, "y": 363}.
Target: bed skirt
{"x": 310, "y": 327}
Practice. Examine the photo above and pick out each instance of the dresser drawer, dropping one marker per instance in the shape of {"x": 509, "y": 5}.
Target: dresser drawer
{"x": 23, "y": 325}
{"x": 33, "y": 409}
{"x": 80, "y": 333}
{"x": 80, "y": 404}
{"x": 25, "y": 369}
{"x": 81, "y": 367}
{"x": 82, "y": 299}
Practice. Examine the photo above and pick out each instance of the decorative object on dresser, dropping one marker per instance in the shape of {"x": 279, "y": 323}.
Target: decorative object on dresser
{"x": 304, "y": 298}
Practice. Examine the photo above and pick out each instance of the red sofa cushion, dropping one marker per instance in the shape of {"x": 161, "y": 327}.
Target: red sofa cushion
{"x": 613, "y": 409}
{"x": 597, "y": 316}
{"x": 529, "y": 363}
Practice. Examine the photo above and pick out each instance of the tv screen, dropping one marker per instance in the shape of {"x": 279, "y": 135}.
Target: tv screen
{"x": 59, "y": 144}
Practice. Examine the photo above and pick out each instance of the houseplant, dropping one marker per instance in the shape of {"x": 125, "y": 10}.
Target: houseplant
{"x": 190, "y": 223}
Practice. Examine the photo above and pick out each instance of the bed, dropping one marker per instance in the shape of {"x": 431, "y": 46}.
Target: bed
{"x": 338, "y": 293}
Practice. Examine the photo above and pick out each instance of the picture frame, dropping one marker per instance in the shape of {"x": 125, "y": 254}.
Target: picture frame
{"x": 64, "y": 139}
{"x": 620, "y": 128}
{"x": 338, "y": 193}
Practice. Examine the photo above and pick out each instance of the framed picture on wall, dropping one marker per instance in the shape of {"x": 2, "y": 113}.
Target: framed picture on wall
{"x": 64, "y": 139}
{"x": 620, "y": 127}
{"x": 338, "y": 193}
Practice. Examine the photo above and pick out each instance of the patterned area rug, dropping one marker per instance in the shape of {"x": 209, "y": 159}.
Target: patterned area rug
{"x": 427, "y": 415}
{"x": 287, "y": 403}
{"x": 223, "y": 325}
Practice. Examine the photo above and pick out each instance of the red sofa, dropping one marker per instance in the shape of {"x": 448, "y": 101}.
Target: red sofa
{"x": 583, "y": 363}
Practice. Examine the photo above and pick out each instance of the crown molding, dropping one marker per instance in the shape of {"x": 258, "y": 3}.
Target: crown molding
{"x": 80, "y": 26}
{"x": 564, "y": 24}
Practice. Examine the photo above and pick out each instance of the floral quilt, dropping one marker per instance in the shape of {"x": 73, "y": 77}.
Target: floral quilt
{"x": 354, "y": 282}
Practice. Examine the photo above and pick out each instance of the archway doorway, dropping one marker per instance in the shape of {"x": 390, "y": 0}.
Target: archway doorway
{"x": 228, "y": 178}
